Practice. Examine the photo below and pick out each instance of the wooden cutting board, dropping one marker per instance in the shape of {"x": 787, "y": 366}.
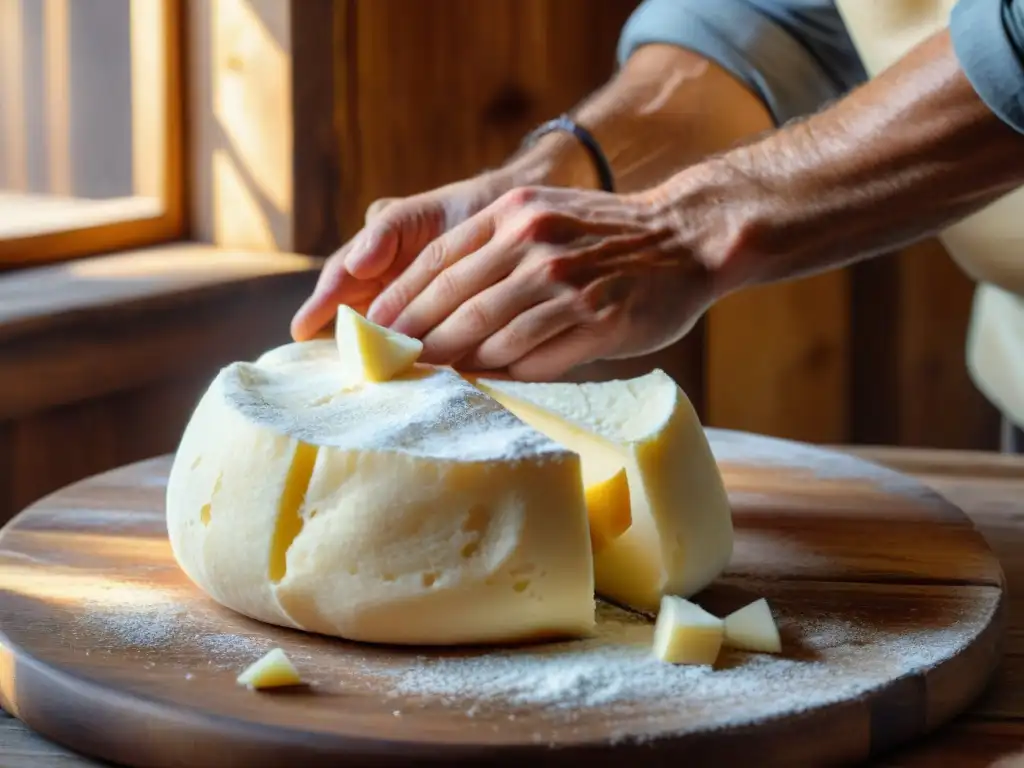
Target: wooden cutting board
{"x": 889, "y": 601}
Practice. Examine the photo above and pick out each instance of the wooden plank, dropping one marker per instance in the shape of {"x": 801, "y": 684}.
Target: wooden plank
{"x": 966, "y": 743}
{"x": 778, "y": 359}
{"x": 430, "y": 94}
{"x": 21, "y": 748}
{"x": 241, "y": 124}
{"x": 56, "y": 66}
{"x": 317, "y": 33}
{"x": 82, "y": 330}
{"x": 14, "y": 158}
{"x": 153, "y": 70}
{"x": 56, "y": 447}
{"x": 909, "y": 320}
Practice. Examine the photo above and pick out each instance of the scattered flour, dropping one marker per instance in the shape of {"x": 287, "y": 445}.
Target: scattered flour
{"x": 756, "y": 450}
{"x": 615, "y": 672}
{"x": 160, "y": 629}
{"x": 829, "y": 655}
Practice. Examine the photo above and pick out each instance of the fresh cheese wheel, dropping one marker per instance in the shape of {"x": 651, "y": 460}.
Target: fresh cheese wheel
{"x": 680, "y": 537}
{"x": 415, "y": 511}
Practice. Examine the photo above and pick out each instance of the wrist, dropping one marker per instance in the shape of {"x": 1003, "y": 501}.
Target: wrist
{"x": 555, "y": 160}
{"x": 720, "y": 219}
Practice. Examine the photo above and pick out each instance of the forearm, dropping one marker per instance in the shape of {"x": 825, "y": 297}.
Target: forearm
{"x": 899, "y": 159}
{"x": 666, "y": 109}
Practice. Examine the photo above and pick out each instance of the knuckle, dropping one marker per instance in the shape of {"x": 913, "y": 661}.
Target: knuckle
{"x": 585, "y": 305}
{"x": 519, "y": 197}
{"x": 434, "y": 258}
{"x": 544, "y": 266}
{"x": 447, "y": 284}
{"x": 475, "y": 318}
{"x": 374, "y": 209}
{"x": 533, "y": 224}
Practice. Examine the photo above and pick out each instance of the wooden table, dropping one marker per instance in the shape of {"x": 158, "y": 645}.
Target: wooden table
{"x": 988, "y": 487}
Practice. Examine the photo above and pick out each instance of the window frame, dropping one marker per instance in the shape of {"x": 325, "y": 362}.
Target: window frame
{"x": 164, "y": 176}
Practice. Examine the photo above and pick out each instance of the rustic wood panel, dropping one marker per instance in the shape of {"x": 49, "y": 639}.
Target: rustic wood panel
{"x": 77, "y": 331}
{"x": 909, "y": 319}
{"x": 429, "y": 93}
{"x": 53, "y": 448}
{"x": 778, "y": 359}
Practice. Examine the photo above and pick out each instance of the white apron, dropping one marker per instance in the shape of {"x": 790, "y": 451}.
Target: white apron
{"x": 989, "y": 245}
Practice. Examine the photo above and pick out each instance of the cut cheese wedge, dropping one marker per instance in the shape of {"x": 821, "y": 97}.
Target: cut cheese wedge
{"x": 681, "y": 536}
{"x": 685, "y": 633}
{"x": 370, "y": 352}
{"x": 608, "y": 509}
{"x": 415, "y": 511}
{"x": 274, "y": 670}
{"x": 752, "y": 628}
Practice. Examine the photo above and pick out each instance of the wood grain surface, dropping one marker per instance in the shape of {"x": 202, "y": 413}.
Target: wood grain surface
{"x": 889, "y": 601}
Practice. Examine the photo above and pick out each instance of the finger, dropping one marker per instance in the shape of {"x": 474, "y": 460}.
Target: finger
{"x": 484, "y": 314}
{"x": 576, "y": 346}
{"x": 374, "y": 249}
{"x": 336, "y": 285}
{"x": 525, "y": 332}
{"x": 443, "y": 252}
{"x": 318, "y": 308}
{"x": 397, "y": 231}
{"x": 452, "y": 289}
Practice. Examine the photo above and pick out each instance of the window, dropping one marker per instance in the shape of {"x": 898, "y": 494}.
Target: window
{"x": 90, "y": 127}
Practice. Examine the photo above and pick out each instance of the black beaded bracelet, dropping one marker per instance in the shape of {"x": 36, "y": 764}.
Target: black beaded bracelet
{"x": 567, "y": 124}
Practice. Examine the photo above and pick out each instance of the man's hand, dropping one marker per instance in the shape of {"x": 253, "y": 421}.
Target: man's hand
{"x": 546, "y": 279}
{"x": 396, "y": 231}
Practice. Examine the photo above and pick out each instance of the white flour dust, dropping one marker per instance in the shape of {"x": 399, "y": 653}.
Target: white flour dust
{"x": 837, "y": 659}
{"x": 155, "y": 626}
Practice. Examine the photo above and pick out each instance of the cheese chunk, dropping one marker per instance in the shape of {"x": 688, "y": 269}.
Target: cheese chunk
{"x": 370, "y": 352}
{"x": 685, "y": 633}
{"x": 415, "y": 511}
{"x": 681, "y": 535}
{"x": 608, "y": 509}
{"x": 752, "y": 628}
{"x": 274, "y": 670}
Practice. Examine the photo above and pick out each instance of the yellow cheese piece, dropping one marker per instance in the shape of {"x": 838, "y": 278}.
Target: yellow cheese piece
{"x": 274, "y": 670}
{"x": 685, "y": 633}
{"x": 415, "y": 511}
{"x": 681, "y": 535}
{"x": 608, "y": 509}
{"x": 370, "y": 352}
{"x": 752, "y": 628}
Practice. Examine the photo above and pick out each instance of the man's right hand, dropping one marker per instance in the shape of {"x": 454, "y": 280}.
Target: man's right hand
{"x": 396, "y": 230}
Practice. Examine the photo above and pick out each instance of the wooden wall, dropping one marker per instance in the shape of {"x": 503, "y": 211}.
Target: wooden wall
{"x": 426, "y": 93}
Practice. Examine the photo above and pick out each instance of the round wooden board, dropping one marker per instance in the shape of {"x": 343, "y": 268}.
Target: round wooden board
{"x": 889, "y": 602}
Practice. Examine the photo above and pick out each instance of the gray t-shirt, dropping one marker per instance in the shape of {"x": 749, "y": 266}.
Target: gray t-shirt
{"x": 797, "y": 55}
